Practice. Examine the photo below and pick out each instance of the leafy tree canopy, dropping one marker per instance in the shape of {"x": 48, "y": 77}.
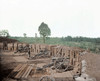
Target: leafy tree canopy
{"x": 4, "y": 33}
{"x": 44, "y": 30}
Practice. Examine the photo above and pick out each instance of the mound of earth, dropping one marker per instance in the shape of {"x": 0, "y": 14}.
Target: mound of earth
{"x": 93, "y": 65}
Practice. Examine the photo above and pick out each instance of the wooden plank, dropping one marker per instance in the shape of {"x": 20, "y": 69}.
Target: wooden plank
{"x": 18, "y": 67}
{"x": 21, "y": 72}
{"x": 28, "y": 72}
{"x": 15, "y": 71}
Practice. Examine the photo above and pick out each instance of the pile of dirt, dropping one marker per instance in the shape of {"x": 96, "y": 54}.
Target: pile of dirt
{"x": 93, "y": 65}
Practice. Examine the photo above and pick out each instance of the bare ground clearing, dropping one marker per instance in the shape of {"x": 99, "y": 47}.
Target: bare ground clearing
{"x": 8, "y": 63}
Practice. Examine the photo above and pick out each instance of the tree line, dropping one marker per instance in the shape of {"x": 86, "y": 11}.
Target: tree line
{"x": 83, "y": 42}
{"x": 80, "y": 38}
{"x": 45, "y": 31}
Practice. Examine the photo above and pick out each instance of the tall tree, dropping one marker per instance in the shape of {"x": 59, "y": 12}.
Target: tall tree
{"x": 24, "y": 34}
{"x": 44, "y": 31}
{"x": 4, "y": 33}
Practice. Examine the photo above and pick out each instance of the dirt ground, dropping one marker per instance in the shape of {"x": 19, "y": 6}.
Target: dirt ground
{"x": 93, "y": 65}
{"x": 8, "y": 61}
{"x": 7, "y": 64}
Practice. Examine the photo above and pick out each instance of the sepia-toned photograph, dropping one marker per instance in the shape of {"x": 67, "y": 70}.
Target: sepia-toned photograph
{"x": 49, "y": 40}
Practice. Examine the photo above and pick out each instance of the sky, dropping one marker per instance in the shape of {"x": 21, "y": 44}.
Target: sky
{"x": 64, "y": 17}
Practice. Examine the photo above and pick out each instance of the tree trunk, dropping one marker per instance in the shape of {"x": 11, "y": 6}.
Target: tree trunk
{"x": 43, "y": 39}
